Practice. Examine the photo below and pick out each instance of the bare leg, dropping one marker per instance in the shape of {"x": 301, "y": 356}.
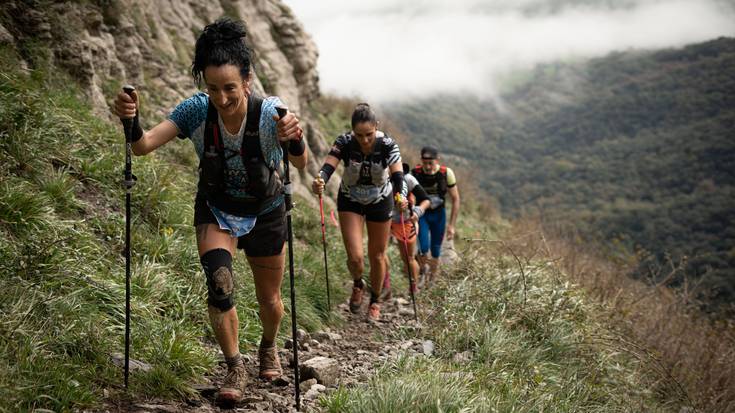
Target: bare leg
{"x": 378, "y": 235}
{"x": 351, "y": 227}
{"x": 224, "y": 323}
{"x": 268, "y": 274}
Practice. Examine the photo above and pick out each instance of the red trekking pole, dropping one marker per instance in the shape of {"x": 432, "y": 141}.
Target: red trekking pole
{"x": 324, "y": 245}
{"x": 408, "y": 267}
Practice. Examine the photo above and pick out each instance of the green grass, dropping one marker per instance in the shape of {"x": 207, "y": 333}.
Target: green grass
{"x": 542, "y": 347}
{"x": 62, "y": 273}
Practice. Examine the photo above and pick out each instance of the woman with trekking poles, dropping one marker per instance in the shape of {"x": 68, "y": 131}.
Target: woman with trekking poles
{"x": 372, "y": 183}
{"x": 405, "y": 228}
{"x": 239, "y": 203}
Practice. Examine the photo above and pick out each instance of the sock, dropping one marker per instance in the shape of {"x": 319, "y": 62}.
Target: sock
{"x": 266, "y": 343}
{"x": 358, "y": 283}
{"x": 234, "y": 361}
{"x": 373, "y": 298}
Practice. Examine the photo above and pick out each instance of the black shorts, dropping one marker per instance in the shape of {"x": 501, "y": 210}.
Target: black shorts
{"x": 378, "y": 212}
{"x": 264, "y": 240}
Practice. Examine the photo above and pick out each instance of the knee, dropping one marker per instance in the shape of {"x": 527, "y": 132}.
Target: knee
{"x": 355, "y": 263}
{"x": 272, "y": 304}
{"x": 217, "y": 265}
{"x": 377, "y": 257}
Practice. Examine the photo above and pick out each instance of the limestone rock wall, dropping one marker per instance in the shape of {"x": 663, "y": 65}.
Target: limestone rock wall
{"x": 150, "y": 43}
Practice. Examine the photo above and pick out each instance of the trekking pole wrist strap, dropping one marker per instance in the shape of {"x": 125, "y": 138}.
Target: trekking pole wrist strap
{"x": 296, "y": 147}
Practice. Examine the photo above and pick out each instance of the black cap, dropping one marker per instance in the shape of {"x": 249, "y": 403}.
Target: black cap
{"x": 429, "y": 152}
{"x": 406, "y": 168}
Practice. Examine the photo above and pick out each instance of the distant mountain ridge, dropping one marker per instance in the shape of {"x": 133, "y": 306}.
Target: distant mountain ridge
{"x": 637, "y": 147}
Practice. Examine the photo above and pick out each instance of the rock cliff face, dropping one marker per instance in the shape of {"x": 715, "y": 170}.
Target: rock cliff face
{"x": 150, "y": 43}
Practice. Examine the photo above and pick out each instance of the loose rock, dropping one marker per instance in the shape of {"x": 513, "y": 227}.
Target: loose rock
{"x": 324, "y": 370}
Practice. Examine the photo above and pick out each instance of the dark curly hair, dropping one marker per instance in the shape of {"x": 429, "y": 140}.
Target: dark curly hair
{"x": 220, "y": 43}
{"x": 363, "y": 113}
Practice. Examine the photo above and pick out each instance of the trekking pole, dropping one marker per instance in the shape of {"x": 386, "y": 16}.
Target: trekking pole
{"x": 324, "y": 245}
{"x": 282, "y": 111}
{"x": 408, "y": 268}
{"x": 128, "y": 182}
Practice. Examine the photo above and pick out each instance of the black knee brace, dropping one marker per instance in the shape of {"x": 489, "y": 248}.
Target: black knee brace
{"x": 217, "y": 266}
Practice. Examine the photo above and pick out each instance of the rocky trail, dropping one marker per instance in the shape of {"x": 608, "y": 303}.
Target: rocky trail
{"x": 343, "y": 356}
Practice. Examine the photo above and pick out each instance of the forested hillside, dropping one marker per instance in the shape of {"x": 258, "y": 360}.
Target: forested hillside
{"x": 636, "y": 149}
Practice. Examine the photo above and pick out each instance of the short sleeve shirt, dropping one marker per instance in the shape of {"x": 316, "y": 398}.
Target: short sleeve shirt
{"x": 341, "y": 149}
{"x": 190, "y": 117}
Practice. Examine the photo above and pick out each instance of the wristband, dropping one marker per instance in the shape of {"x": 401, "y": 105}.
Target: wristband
{"x": 137, "y": 130}
{"x": 326, "y": 172}
{"x": 418, "y": 211}
{"x": 296, "y": 148}
{"x": 396, "y": 179}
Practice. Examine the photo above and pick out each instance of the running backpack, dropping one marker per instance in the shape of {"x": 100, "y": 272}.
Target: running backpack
{"x": 428, "y": 181}
{"x": 264, "y": 184}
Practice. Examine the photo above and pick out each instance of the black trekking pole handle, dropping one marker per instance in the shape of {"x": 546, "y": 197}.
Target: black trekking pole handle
{"x": 282, "y": 111}
{"x": 128, "y": 182}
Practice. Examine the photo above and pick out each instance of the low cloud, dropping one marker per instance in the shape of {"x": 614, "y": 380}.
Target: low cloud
{"x": 386, "y": 51}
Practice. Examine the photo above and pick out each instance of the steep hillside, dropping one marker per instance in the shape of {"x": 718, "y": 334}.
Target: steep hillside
{"x": 635, "y": 148}
{"x": 511, "y": 332}
{"x": 104, "y": 44}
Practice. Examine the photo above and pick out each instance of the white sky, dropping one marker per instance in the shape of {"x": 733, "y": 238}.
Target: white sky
{"x": 384, "y": 50}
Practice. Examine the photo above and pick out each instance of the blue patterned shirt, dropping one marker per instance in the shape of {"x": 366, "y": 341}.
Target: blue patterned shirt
{"x": 190, "y": 117}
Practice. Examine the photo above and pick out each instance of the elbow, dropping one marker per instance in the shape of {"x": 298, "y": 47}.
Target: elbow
{"x": 137, "y": 151}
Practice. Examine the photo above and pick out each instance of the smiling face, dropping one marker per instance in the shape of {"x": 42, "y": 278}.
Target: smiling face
{"x": 227, "y": 89}
{"x": 365, "y": 134}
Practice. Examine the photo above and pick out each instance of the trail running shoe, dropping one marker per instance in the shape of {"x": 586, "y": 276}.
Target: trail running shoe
{"x": 356, "y": 298}
{"x": 232, "y": 388}
{"x": 374, "y": 312}
{"x": 270, "y": 363}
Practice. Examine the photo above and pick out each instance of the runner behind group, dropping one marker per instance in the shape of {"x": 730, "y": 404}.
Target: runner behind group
{"x": 239, "y": 202}
{"x": 418, "y": 204}
{"x": 372, "y": 176}
{"x": 437, "y": 180}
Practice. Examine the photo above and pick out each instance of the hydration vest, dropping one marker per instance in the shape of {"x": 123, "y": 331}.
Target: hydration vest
{"x": 356, "y": 161}
{"x": 429, "y": 182}
{"x": 264, "y": 184}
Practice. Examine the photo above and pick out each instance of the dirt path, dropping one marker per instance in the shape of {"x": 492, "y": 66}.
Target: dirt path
{"x": 358, "y": 348}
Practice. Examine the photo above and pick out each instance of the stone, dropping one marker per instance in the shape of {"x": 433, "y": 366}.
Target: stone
{"x": 326, "y": 337}
{"x": 159, "y": 408}
{"x": 311, "y": 394}
{"x": 306, "y": 384}
{"x": 281, "y": 381}
{"x": 302, "y": 335}
{"x": 5, "y": 36}
{"x": 325, "y": 370}
{"x": 288, "y": 344}
{"x": 428, "y": 348}
{"x": 405, "y": 312}
{"x": 134, "y": 365}
{"x": 462, "y": 357}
